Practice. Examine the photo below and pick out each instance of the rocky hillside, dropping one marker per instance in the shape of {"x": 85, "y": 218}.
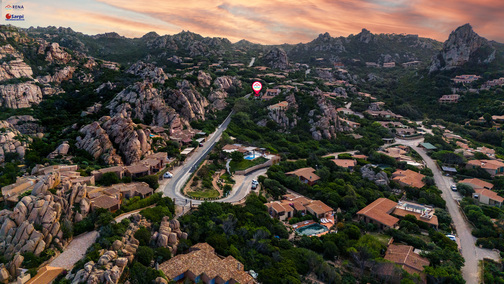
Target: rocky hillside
{"x": 366, "y": 47}
{"x": 463, "y": 46}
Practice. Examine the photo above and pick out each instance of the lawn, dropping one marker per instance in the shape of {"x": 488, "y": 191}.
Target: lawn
{"x": 245, "y": 164}
{"x": 209, "y": 193}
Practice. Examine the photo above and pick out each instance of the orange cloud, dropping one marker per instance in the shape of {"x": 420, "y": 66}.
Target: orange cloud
{"x": 282, "y": 21}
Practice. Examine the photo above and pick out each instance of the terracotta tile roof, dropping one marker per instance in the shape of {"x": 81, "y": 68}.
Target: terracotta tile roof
{"x": 150, "y": 162}
{"x": 360, "y": 157}
{"x": 477, "y": 183}
{"x": 486, "y": 164}
{"x": 345, "y": 163}
{"x": 406, "y": 257}
{"x": 203, "y": 260}
{"x": 409, "y": 177}
{"x": 301, "y": 199}
{"x": 112, "y": 169}
{"x": 46, "y": 275}
{"x": 379, "y": 210}
{"x": 281, "y": 207}
{"x": 159, "y": 155}
{"x": 298, "y": 206}
{"x": 319, "y": 207}
{"x": 306, "y": 173}
{"x": 137, "y": 168}
{"x": 105, "y": 201}
{"x": 490, "y": 194}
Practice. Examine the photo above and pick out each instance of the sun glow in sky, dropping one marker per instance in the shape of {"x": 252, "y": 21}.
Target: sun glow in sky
{"x": 266, "y": 21}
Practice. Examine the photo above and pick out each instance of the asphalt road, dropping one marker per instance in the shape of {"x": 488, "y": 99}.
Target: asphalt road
{"x": 173, "y": 187}
{"x": 470, "y": 252}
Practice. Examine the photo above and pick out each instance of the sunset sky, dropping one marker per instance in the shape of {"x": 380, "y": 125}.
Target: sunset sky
{"x": 266, "y": 21}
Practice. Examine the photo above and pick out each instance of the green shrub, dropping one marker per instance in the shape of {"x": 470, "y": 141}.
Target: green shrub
{"x": 143, "y": 235}
{"x": 145, "y": 255}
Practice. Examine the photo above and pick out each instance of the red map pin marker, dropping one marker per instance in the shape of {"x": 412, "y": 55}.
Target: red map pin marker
{"x": 257, "y": 86}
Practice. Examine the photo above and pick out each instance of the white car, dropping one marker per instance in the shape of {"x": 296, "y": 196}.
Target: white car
{"x": 167, "y": 175}
{"x": 452, "y": 237}
{"x": 453, "y": 187}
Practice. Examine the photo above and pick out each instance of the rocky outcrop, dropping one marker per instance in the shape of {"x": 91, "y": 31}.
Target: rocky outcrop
{"x": 100, "y": 137}
{"x": 26, "y": 124}
{"x": 112, "y": 261}
{"x": 55, "y": 54}
{"x": 277, "y": 59}
{"x": 463, "y": 45}
{"x": 204, "y": 79}
{"x": 187, "y": 101}
{"x": 148, "y": 72}
{"x": 328, "y": 123}
{"x": 144, "y": 102}
{"x": 10, "y": 142}
{"x": 224, "y": 86}
{"x": 97, "y": 143}
{"x": 62, "y": 150}
{"x": 169, "y": 235}
{"x": 22, "y": 95}
{"x": 379, "y": 178}
{"x": 59, "y": 76}
{"x": 13, "y": 65}
{"x": 279, "y": 116}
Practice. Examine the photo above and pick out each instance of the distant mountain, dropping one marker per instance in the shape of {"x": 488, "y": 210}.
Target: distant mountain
{"x": 364, "y": 46}
{"x": 367, "y": 47}
{"x": 465, "y": 46}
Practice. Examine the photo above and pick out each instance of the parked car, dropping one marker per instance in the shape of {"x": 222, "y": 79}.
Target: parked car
{"x": 453, "y": 187}
{"x": 452, "y": 237}
{"x": 201, "y": 144}
{"x": 167, "y": 175}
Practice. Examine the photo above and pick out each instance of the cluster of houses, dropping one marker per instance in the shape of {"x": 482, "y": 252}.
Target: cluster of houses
{"x": 109, "y": 198}
{"x": 468, "y": 152}
{"x": 493, "y": 167}
{"x": 483, "y": 192}
{"x": 466, "y": 79}
{"x": 148, "y": 166}
{"x": 292, "y": 205}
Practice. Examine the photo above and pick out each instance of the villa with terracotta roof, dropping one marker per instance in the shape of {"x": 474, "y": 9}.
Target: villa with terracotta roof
{"x": 477, "y": 183}
{"x": 345, "y": 163}
{"x": 408, "y": 178}
{"x": 291, "y": 205}
{"x": 378, "y": 213}
{"x": 106, "y": 202}
{"x": 283, "y": 105}
{"x": 202, "y": 264}
{"x": 493, "y": 167}
{"x": 449, "y": 98}
{"x": 306, "y": 175}
{"x": 385, "y": 213}
{"x": 406, "y": 258}
{"x": 488, "y": 197}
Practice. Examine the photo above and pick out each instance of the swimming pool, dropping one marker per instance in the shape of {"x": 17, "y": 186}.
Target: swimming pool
{"x": 250, "y": 157}
{"x": 311, "y": 230}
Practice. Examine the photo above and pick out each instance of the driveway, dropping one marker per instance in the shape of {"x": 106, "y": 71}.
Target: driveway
{"x": 470, "y": 252}
{"x": 75, "y": 250}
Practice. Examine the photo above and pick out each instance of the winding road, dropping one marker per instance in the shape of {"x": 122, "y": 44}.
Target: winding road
{"x": 471, "y": 253}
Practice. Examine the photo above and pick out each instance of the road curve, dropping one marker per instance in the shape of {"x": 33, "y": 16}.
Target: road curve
{"x": 470, "y": 252}
{"x": 173, "y": 187}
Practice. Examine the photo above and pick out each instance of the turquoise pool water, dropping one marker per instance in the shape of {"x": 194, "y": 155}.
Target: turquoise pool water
{"x": 313, "y": 229}
{"x": 249, "y": 157}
